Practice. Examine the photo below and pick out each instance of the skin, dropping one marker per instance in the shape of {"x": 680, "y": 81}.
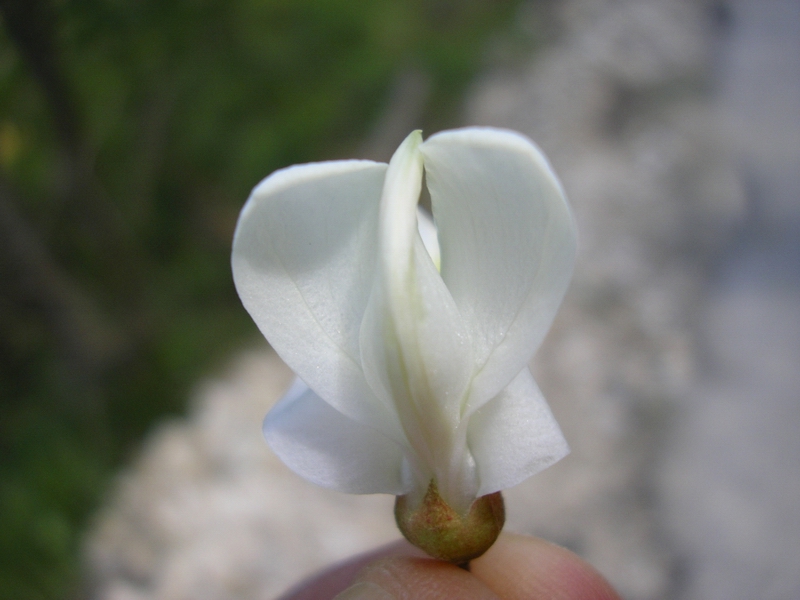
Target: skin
{"x": 515, "y": 568}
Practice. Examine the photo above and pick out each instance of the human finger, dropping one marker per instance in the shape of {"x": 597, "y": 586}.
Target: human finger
{"x": 520, "y": 567}
{"x": 405, "y": 577}
{"x": 325, "y": 585}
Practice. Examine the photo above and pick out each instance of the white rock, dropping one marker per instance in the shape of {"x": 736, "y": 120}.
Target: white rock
{"x": 208, "y": 512}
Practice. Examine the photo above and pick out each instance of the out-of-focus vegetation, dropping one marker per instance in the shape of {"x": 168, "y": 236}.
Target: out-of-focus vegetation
{"x": 130, "y": 134}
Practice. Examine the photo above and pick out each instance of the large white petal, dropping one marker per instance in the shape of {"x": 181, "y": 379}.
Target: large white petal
{"x": 508, "y": 245}
{"x": 303, "y": 263}
{"x": 514, "y": 436}
{"x": 414, "y": 348}
{"x": 325, "y": 447}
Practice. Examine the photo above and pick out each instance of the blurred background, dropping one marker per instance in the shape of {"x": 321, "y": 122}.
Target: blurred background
{"x": 130, "y": 135}
{"x": 133, "y": 383}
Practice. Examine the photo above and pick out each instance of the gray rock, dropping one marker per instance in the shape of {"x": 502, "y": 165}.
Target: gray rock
{"x": 618, "y": 105}
{"x": 208, "y": 512}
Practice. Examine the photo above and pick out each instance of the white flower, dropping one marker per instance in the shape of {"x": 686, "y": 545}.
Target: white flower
{"x": 414, "y": 374}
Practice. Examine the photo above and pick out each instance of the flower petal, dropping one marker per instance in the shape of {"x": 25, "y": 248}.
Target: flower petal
{"x": 303, "y": 263}
{"x": 429, "y": 235}
{"x": 508, "y": 245}
{"x": 514, "y": 436}
{"x": 413, "y": 346}
{"x": 325, "y": 447}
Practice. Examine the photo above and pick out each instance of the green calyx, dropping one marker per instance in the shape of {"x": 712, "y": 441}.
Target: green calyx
{"x": 437, "y": 529}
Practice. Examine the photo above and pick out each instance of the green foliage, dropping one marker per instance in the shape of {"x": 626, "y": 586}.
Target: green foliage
{"x": 130, "y": 135}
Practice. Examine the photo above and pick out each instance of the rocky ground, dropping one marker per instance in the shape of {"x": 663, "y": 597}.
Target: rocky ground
{"x": 672, "y": 367}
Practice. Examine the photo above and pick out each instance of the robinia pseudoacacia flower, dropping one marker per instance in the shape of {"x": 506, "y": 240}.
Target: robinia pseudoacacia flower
{"x": 412, "y": 361}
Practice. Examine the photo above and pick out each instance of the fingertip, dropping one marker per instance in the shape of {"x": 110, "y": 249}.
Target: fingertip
{"x": 419, "y": 578}
{"x": 523, "y": 567}
{"x": 326, "y": 584}
{"x": 364, "y": 590}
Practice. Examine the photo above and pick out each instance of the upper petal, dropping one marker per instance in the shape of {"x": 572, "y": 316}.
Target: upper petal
{"x": 303, "y": 264}
{"x": 508, "y": 245}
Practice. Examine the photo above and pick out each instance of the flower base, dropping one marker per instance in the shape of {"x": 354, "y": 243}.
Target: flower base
{"x": 437, "y": 529}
